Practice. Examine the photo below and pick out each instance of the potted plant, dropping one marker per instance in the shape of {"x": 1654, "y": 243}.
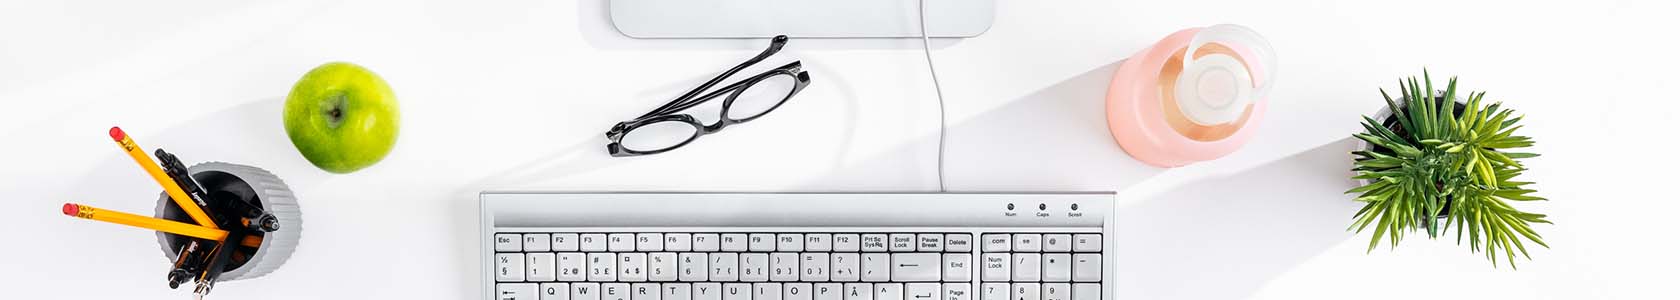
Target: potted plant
{"x": 1432, "y": 162}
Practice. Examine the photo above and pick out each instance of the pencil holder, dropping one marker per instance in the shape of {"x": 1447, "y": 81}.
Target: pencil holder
{"x": 251, "y": 184}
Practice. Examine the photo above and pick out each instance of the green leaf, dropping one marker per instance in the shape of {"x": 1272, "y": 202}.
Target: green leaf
{"x": 1517, "y": 195}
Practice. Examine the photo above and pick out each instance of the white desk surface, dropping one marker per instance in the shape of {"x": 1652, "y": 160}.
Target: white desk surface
{"x": 516, "y": 94}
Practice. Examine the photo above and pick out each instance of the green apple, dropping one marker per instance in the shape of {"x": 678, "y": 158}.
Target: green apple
{"x": 342, "y": 117}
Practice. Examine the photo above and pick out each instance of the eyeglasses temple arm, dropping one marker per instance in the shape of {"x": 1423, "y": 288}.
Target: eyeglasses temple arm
{"x": 791, "y": 67}
{"x": 687, "y": 98}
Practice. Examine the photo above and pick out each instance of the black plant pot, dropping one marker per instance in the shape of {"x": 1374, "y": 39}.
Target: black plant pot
{"x": 1386, "y": 117}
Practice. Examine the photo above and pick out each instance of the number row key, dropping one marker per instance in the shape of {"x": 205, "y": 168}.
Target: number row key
{"x": 749, "y": 267}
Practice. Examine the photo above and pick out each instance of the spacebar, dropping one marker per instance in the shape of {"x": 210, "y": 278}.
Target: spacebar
{"x": 913, "y": 267}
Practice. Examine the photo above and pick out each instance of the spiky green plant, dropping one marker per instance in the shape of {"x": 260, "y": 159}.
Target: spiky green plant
{"x": 1438, "y": 158}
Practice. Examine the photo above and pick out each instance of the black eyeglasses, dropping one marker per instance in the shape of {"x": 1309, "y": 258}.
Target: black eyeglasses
{"x": 663, "y": 129}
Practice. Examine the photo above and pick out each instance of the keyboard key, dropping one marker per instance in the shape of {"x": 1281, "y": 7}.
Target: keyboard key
{"x": 1026, "y": 268}
{"x": 859, "y": 291}
{"x": 846, "y": 243}
{"x": 586, "y": 291}
{"x": 506, "y": 242}
{"x": 554, "y": 291}
{"x": 705, "y": 242}
{"x": 827, "y": 291}
{"x": 922, "y": 291}
{"x": 692, "y": 266}
{"x": 662, "y": 266}
{"x": 735, "y": 242}
{"x": 996, "y": 242}
{"x": 644, "y": 291}
{"x": 903, "y": 242}
{"x": 592, "y": 242}
{"x": 843, "y": 267}
{"x": 1058, "y": 267}
{"x": 877, "y": 267}
{"x": 564, "y": 242}
{"x": 790, "y": 242}
{"x": 813, "y": 266}
{"x": 995, "y": 267}
{"x": 539, "y": 266}
{"x": 818, "y": 242}
{"x": 737, "y": 291}
{"x": 708, "y": 291}
{"x": 959, "y": 242}
{"x": 1087, "y": 242}
{"x": 569, "y": 267}
{"x": 621, "y": 242}
{"x": 649, "y": 242}
{"x": 678, "y": 242}
{"x": 603, "y": 267}
{"x": 784, "y": 266}
{"x": 1055, "y": 291}
{"x": 959, "y": 267}
{"x": 1058, "y": 242}
{"x": 510, "y": 267}
{"x": 725, "y": 267}
{"x": 615, "y": 291}
{"x": 889, "y": 291}
{"x": 930, "y": 242}
{"x": 537, "y": 242}
{"x": 1087, "y": 267}
{"x": 632, "y": 267}
{"x": 1025, "y": 291}
{"x": 1027, "y": 242}
{"x": 516, "y": 291}
{"x": 915, "y": 267}
{"x": 761, "y": 242}
{"x": 767, "y": 291}
{"x": 958, "y": 291}
{"x": 796, "y": 291}
{"x": 676, "y": 291}
{"x": 755, "y": 267}
{"x": 994, "y": 291}
{"x": 874, "y": 243}
{"x": 1087, "y": 291}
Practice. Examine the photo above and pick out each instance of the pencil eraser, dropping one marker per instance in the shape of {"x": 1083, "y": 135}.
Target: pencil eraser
{"x": 70, "y": 209}
{"x": 117, "y": 134}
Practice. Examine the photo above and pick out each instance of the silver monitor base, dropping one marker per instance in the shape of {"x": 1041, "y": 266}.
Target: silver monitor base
{"x": 799, "y": 18}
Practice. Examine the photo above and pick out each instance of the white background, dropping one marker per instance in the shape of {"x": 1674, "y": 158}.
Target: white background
{"x": 515, "y": 94}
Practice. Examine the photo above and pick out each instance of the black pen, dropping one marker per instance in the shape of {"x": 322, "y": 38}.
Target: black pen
{"x": 177, "y": 170}
{"x": 217, "y": 263}
{"x": 186, "y": 263}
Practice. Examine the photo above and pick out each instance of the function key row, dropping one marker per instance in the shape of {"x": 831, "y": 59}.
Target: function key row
{"x": 1034, "y": 242}
{"x": 735, "y": 242}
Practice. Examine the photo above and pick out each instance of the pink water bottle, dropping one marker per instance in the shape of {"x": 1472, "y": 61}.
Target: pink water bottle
{"x": 1196, "y": 95}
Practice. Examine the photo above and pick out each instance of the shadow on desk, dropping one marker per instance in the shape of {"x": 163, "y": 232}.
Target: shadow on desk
{"x": 1225, "y": 237}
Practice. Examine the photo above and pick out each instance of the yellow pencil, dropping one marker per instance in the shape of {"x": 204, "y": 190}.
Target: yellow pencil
{"x": 94, "y": 213}
{"x": 169, "y": 187}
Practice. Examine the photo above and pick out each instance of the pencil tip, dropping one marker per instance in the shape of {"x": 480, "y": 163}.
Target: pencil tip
{"x": 117, "y": 134}
{"x": 70, "y": 209}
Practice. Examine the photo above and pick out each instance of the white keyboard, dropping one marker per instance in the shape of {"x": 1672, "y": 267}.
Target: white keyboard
{"x": 848, "y": 246}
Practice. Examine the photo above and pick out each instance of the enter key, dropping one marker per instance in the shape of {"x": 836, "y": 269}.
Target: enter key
{"x": 915, "y": 267}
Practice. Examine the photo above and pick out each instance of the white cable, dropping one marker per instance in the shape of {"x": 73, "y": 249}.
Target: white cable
{"x": 921, "y": 8}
